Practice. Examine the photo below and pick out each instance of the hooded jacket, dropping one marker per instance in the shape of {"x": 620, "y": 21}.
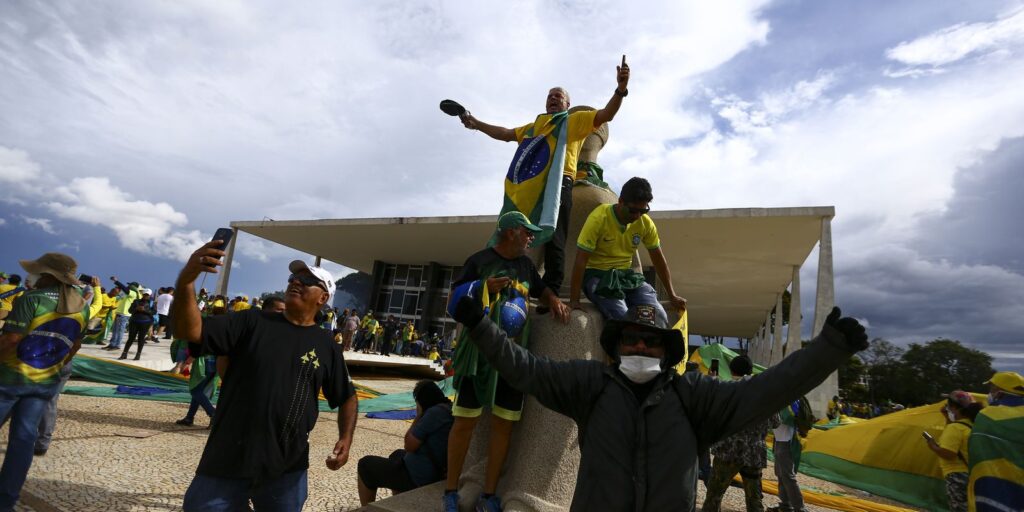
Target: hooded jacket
{"x": 643, "y": 456}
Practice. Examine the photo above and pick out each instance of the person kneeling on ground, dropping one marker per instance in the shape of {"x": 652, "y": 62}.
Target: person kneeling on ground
{"x": 744, "y": 452}
{"x": 640, "y": 423}
{"x": 422, "y": 461}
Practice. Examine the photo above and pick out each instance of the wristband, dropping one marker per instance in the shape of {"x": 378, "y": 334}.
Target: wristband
{"x": 621, "y": 94}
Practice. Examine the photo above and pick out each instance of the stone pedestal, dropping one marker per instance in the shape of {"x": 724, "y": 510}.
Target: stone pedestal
{"x": 540, "y": 473}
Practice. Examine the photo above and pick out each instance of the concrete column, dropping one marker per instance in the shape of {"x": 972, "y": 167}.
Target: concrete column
{"x": 793, "y": 341}
{"x": 823, "y": 302}
{"x": 317, "y": 261}
{"x": 777, "y": 338}
{"x": 225, "y": 271}
{"x": 825, "y": 293}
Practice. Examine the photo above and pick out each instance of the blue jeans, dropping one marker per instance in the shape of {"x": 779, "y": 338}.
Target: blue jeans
{"x": 615, "y": 309}
{"x": 24, "y": 405}
{"x": 49, "y": 420}
{"x": 285, "y": 493}
{"x": 199, "y": 398}
{"x": 120, "y": 326}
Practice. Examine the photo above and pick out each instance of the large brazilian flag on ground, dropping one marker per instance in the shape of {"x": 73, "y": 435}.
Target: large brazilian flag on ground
{"x": 533, "y": 184}
{"x": 996, "y": 453}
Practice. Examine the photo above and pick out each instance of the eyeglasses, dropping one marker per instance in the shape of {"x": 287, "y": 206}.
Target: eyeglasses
{"x": 638, "y": 211}
{"x": 650, "y": 339}
{"x": 306, "y": 280}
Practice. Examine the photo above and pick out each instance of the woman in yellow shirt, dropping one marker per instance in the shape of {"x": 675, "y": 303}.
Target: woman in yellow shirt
{"x": 960, "y": 411}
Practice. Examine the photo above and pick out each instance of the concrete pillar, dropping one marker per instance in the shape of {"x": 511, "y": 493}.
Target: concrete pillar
{"x": 825, "y": 292}
{"x": 776, "y": 355}
{"x": 225, "y": 271}
{"x": 793, "y": 341}
{"x": 317, "y": 261}
{"x": 823, "y": 303}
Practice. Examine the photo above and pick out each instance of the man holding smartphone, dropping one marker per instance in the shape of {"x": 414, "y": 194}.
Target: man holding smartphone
{"x": 258, "y": 447}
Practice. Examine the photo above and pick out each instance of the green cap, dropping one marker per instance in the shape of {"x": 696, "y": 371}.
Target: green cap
{"x": 3, "y": 275}
{"x": 515, "y": 219}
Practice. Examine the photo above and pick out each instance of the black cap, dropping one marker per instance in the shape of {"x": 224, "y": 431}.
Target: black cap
{"x": 647, "y": 318}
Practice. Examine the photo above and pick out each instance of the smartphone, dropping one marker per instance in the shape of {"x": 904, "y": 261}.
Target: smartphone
{"x": 85, "y": 279}
{"x": 224, "y": 234}
{"x": 713, "y": 369}
{"x": 927, "y": 436}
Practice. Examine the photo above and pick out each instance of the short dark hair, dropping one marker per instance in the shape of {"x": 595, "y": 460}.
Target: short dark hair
{"x": 427, "y": 394}
{"x": 741, "y": 366}
{"x": 14, "y": 279}
{"x": 636, "y": 190}
{"x": 269, "y": 302}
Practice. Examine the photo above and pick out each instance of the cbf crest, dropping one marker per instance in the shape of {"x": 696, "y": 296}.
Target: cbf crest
{"x": 636, "y": 239}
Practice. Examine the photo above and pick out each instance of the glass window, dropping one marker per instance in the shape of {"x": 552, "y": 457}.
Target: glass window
{"x": 415, "y": 276}
{"x": 397, "y": 297}
{"x": 412, "y": 300}
{"x": 389, "y": 274}
{"x": 383, "y": 300}
{"x": 401, "y": 274}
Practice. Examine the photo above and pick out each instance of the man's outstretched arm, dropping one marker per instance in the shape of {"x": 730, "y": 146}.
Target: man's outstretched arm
{"x": 565, "y": 387}
{"x": 495, "y": 132}
{"x": 188, "y": 324}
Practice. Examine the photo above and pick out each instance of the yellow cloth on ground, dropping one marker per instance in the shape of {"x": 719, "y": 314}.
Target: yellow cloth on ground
{"x": 611, "y": 245}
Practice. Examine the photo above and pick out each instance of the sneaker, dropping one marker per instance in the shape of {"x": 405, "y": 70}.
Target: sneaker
{"x": 492, "y": 504}
{"x": 39, "y": 452}
{"x": 184, "y": 421}
{"x": 450, "y": 501}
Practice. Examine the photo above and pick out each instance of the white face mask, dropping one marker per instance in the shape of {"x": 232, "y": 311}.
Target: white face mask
{"x": 640, "y": 369}
{"x": 950, "y": 415}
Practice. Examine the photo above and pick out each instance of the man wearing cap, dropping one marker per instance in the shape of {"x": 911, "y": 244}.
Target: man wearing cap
{"x": 129, "y": 294}
{"x": 552, "y": 139}
{"x": 500, "y": 278}
{"x": 41, "y": 335}
{"x": 139, "y": 323}
{"x": 604, "y": 261}
{"x": 258, "y": 447}
{"x": 640, "y": 423}
{"x": 996, "y": 447}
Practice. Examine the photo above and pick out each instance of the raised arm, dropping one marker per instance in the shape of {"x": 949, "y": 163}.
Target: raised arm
{"x": 566, "y": 387}
{"x": 495, "y": 132}
{"x": 188, "y": 324}
{"x": 576, "y": 281}
{"x": 621, "y": 90}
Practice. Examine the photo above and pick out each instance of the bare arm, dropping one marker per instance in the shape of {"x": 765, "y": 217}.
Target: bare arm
{"x": 607, "y": 113}
{"x": 222, "y": 366}
{"x": 10, "y": 339}
{"x": 661, "y": 267}
{"x": 346, "y": 430}
{"x": 940, "y": 451}
{"x": 495, "y": 132}
{"x": 188, "y": 324}
{"x": 576, "y": 283}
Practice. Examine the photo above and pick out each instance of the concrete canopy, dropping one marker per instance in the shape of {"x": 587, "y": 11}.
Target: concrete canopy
{"x": 730, "y": 264}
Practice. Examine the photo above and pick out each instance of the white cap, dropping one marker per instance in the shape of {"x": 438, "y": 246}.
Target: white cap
{"x": 147, "y": 291}
{"x": 323, "y": 275}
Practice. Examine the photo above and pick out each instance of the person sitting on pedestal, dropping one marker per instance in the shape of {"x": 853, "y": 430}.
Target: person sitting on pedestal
{"x": 603, "y": 267}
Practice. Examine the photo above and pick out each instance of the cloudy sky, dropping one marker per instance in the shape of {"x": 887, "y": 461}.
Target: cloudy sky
{"x": 130, "y": 131}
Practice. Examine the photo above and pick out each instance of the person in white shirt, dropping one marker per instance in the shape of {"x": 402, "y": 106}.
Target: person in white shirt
{"x": 163, "y": 310}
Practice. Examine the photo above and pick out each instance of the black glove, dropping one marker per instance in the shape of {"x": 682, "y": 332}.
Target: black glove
{"x": 468, "y": 312}
{"x": 856, "y": 336}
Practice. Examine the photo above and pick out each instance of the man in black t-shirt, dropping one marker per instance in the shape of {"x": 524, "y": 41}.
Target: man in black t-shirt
{"x": 258, "y": 447}
{"x": 508, "y": 277}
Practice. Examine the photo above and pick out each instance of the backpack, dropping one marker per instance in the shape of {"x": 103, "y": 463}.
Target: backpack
{"x": 803, "y": 416}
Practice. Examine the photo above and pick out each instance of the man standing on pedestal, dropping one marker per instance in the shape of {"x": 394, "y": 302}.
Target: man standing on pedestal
{"x": 551, "y": 142}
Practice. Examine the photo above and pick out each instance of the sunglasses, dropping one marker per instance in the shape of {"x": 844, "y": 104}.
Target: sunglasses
{"x": 638, "y": 211}
{"x": 650, "y": 339}
{"x": 306, "y": 280}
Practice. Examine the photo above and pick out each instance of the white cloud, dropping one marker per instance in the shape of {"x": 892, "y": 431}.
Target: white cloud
{"x": 16, "y": 166}
{"x": 951, "y": 44}
{"x": 142, "y": 226}
{"x": 44, "y": 224}
{"x": 3, "y": 221}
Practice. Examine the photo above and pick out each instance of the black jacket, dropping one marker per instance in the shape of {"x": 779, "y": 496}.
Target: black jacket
{"x": 643, "y": 457}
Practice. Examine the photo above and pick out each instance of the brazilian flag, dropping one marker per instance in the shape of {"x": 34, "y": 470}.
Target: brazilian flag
{"x": 533, "y": 184}
{"x": 996, "y": 453}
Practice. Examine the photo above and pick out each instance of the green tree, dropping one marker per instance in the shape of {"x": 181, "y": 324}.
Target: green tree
{"x": 940, "y": 366}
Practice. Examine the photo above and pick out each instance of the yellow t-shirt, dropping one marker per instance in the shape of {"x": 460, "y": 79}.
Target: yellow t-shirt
{"x": 241, "y": 306}
{"x": 581, "y": 124}
{"x": 7, "y": 304}
{"x": 954, "y": 438}
{"x": 610, "y": 244}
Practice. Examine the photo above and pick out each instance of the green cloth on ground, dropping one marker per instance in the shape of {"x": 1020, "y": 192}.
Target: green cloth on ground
{"x": 613, "y": 282}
